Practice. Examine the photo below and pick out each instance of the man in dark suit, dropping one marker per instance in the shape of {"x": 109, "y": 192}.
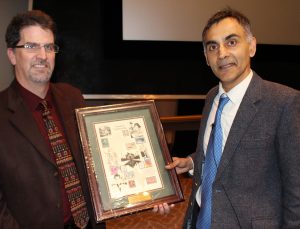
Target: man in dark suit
{"x": 257, "y": 182}
{"x": 33, "y": 190}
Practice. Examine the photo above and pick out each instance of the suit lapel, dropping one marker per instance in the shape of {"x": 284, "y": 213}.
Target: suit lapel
{"x": 64, "y": 108}
{"x": 244, "y": 117}
{"x": 24, "y": 122}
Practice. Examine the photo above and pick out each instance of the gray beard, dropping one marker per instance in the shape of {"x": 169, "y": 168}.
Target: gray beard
{"x": 41, "y": 79}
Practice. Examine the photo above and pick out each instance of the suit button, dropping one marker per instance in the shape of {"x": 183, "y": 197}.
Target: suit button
{"x": 58, "y": 205}
{"x": 218, "y": 190}
{"x": 55, "y": 174}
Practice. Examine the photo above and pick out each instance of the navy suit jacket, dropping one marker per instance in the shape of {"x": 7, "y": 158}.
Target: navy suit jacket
{"x": 257, "y": 184}
{"x": 29, "y": 182}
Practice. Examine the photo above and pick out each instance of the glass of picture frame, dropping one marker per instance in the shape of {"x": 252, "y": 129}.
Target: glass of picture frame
{"x": 125, "y": 156}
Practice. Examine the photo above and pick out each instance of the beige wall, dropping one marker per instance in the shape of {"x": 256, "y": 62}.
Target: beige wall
{"x": 273, "y": 21}
{"x": 8, "y": 8}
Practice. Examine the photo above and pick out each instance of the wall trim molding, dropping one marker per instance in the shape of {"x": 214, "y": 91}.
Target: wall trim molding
{"x": 142, "y": 96}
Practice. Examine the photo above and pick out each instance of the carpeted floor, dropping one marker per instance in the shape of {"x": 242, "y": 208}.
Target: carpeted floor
{"x": 149, "y": 220}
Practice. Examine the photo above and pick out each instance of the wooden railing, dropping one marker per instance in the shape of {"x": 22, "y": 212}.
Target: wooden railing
{"x": 183, "y": 122}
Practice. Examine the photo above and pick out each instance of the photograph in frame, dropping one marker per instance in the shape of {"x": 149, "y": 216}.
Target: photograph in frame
{"x": 125, "y": 155}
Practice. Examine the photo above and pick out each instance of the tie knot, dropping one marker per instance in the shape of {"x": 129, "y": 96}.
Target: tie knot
{"x": 44, "y": 107}
{"x": 222, "y": 101}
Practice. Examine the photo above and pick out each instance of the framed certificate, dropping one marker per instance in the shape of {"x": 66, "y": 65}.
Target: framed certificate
{"x": 125, "y": 154}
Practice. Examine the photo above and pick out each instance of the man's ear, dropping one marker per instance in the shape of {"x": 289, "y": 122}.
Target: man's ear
{"x": 252, "y": 47}
{"x": 11, "y": 55}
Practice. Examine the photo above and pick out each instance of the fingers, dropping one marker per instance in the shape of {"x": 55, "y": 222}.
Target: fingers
{"x": 162, "y": 209}
{"x": 155, "y": 209}
{"x": 173, "y": 164}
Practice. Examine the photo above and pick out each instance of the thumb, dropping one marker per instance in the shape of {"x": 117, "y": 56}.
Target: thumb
{"x": 172, "y": 164}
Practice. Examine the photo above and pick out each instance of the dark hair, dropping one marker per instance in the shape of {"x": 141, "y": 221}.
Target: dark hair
{"x": 22, "y": 20}
{"x": 228, "y": 13}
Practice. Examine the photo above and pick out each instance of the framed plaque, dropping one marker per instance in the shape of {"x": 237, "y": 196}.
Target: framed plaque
{"x": 125, "y": 155}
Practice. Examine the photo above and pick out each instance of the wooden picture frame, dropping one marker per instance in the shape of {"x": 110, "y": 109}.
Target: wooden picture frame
{"x": 125, "y": 155}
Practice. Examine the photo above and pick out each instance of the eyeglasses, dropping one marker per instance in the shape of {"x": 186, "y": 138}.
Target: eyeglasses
{"x": 35, "y": 47}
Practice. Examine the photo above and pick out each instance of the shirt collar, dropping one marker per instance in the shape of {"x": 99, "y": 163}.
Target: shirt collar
{"x": 237, "y": 93}
{"x": 31, "y": 99}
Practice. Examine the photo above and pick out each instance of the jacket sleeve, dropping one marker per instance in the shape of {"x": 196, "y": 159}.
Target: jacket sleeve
{"x": 288, "y": 140}
{"x": 7, "y": 221}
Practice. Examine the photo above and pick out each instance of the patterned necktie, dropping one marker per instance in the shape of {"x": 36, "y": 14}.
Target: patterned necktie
{"x": 212, "y": 159}
{"x": 67, "y": 168}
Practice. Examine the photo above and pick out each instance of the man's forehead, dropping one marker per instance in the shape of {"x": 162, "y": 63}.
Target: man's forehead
{"x": 35, "y": 32}
{"x": 224, "y": 29}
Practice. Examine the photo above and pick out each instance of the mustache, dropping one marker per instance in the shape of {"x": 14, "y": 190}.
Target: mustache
{"x": 225, "y": 62}
{"x": 41, "y": 62}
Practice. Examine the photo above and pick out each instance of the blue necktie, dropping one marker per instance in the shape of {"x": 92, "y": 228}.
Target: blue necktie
{"x": 212, "y": 159}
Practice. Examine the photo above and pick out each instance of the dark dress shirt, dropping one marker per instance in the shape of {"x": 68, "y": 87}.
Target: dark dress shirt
{"x": 32, "y": 101}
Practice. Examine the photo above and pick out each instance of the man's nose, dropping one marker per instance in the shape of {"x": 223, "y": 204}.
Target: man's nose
{"x": 223, "y": 51}
{"x": 42, "y": 53}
